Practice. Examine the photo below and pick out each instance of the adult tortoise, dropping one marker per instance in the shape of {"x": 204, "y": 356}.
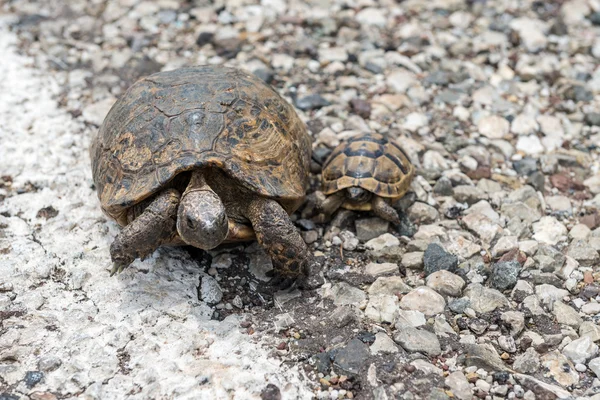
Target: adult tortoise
{"x": 366, "y": 172}
{"x": 202, "y": 156}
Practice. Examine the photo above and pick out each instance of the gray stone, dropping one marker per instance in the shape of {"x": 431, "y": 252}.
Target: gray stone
{"x": 391, "y": 285}
{"x": 507, "y": 343}
{"x": 484, "y": 300}
{"x": 351, "y": 358}
{"x": 344, "y": 294}
{"x": 49, "y": 363}
{"x": 413, "y": 260}
{"x": 549, "y": 293}
{"x": 370, "y": 228}
{"x": 566, "y": 315}
{"x": 458, "y": 306}
{"x": 210, "y": 290}
{"x": 421, "y": 213}
{"x": 436, "y": 258}
{"x": 585, "y": 254}
{"x": 580, "y": 350}
{"x": 468, "y": 194}
{"x": 528, "y": 362}
{"x": 383, "y": 344}
{"x": 505, "y": 275}
{"x": 515, "y": 320}
{"x": 425, "y": 300}
{"x": 446, "y": 283}
{"x": 483, "y": 356}
{"x": 594, "y": 365}
{"x": 443, "y": 187}
{"x": 560, "y": 204}
{"x": 543, "y": 389}
{"x": 459, "y": 385}
{"x": 377, "y": 269}
{"x": 414, "y": 339}
{"x": 591, "y": 330}
{"x": 342, "y": 316}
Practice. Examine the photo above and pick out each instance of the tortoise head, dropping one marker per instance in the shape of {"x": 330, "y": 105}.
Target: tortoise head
{"x": 358, "y": 195}
{"x": 201, "y": 218}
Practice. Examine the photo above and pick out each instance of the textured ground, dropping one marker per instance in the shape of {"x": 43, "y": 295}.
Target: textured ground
{"x": 488, "y": 289}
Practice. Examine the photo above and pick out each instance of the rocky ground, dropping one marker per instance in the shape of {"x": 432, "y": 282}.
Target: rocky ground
{"x": 488, "y": 289}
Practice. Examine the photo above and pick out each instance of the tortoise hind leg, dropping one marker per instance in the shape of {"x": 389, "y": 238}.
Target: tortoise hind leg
{"x": 155, "y": 225}
{"x": 384, "y": 210}
{"x": 292, "y": 260}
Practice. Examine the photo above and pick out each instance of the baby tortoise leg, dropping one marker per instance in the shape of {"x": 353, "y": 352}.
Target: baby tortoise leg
{"x": 332, "y": 203}
{"x": 292, "y": 260}
{"x": 384, "y": 210}
{"x": 155, "y": 226}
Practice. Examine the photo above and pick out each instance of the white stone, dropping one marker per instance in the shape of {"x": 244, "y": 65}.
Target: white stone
{"x": 594, "y": 365}
{"x": 504, "y": 245}
{"x": 493, "y": 127}
{"x": 372, "y": 16}
{"x": 524, "y": 124}
{"x": 580, "y": 350}
{"x": 415, "y": 121}
{"x": 400, "y": 80}
{"x": 382, "y": 308}
{"x": 549, "y": 230}
{"x": 559, "y": 203}
{"x": 411, "y": 318}
{"x": 580, "y": 231}
{"x": 531, "y": 32}
{"x": 530, "y": 145}
{"x": 383, "y": 344}
{"x": 593, "y": 183}
{"x": 551, "y": 126}
{"x": 383, "y": 241}
{"x": 95, "y": 113}
{"x": 591, "y": 308}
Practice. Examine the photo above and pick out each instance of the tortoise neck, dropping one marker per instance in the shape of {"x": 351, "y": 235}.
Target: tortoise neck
{"x": 197, "y": 182}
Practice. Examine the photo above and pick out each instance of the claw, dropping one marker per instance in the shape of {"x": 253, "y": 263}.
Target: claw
{"x": 117, "y": 268}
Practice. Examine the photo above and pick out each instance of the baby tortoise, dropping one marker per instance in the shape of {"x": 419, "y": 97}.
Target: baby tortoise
{"x": 202, "y": 156}
{"x": 366, "y": 172}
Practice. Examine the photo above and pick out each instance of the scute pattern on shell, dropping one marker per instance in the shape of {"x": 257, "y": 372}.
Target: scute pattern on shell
{"x": 371, "y": 162}
{"x": 189, "y": 118}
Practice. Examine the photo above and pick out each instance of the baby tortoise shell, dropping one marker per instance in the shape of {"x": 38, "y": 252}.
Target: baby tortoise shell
{"x": 370, "y": 162}
{"x": 176, "y": 121}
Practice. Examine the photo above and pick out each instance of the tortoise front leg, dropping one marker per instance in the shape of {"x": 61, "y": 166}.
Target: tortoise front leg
{"x": 292, "y": 260}
{"x": 156, "y": 225}
{"x": 384, "y": 210}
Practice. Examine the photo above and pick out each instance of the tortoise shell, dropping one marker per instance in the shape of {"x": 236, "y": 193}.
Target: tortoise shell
{"x": 211, "y": 116}
{"x": 369, "y": 161}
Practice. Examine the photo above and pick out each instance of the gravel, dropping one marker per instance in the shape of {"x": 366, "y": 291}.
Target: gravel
{"x": 487, "y": 289}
